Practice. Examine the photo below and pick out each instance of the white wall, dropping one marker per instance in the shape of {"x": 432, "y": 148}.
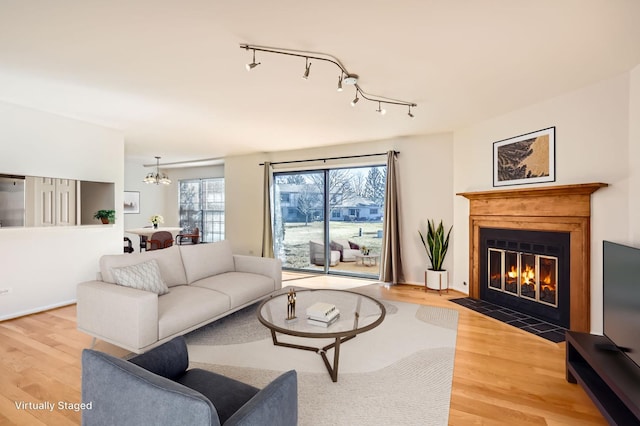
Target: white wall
{"x": 42, "y": 266}
{"x": 425, "y": 178}
{"x": 592, "y": 145}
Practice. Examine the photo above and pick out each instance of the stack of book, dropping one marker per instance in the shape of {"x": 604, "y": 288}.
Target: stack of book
{"x": 322, "y": 314}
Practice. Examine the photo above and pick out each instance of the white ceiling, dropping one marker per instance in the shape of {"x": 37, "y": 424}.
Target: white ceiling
{"x": 171, "y": 76}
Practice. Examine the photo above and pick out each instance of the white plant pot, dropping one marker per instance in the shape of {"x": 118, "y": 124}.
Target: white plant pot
{"x": 437, "y": 280}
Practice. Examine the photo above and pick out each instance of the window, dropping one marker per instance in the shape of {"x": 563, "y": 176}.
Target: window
{"x": 202, "y": 206}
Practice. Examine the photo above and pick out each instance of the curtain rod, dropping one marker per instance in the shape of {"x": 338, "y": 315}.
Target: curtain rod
{"x": 330, "y": 158}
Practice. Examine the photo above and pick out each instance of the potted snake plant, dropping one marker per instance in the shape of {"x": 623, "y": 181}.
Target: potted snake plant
{"x": 436, "y": 244}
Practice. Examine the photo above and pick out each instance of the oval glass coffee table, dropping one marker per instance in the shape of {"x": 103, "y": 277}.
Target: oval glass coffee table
{"x": 358, "y": 313}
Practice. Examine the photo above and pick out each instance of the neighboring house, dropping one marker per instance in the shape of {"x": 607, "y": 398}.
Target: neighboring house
{"x": 357, "y": 209}
{"x": 303, "y": 202}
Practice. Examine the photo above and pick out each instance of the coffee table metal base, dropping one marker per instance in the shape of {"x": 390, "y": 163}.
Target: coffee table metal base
{"x": 333, "y": 370}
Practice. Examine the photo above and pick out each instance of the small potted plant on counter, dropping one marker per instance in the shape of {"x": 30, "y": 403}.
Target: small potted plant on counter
{"x": 106, "y": 216}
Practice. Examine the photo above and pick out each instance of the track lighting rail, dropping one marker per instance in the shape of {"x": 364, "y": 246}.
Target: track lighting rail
{"x": 345, "y": 76}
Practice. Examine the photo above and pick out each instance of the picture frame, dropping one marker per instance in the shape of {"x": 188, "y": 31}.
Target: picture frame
{"x": 524, "y": 159}
{"x": 132, "y": 202}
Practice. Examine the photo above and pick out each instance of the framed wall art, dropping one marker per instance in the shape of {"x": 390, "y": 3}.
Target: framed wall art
{"x": 528, "y": 158}
{"x": 131, "y": 202}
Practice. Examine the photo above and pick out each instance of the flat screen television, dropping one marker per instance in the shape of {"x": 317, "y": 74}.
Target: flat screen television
{"x": 621, "y": 297}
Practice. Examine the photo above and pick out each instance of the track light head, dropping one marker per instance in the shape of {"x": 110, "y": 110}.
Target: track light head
{"x": 355, "y": 100}
{"x": 253, "y": 64}
{"x": 340, "y": 83}
{"x": 381, "y": 110}
{"x": 409, "y": 114}
{"x": 307, "y": 68}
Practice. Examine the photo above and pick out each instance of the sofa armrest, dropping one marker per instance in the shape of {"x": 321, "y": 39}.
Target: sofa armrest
{"x": 122, "y": 393}
{"x": 121, "y": 315}
{"x": 275, "y": 405}
{"x": 266, "y": 266}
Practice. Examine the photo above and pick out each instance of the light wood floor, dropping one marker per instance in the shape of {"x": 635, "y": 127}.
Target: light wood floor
{"x": 502, "y": 375}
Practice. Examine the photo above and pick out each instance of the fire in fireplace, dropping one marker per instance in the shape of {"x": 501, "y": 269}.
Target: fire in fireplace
{"x": 531, "y": 276}
{"x": 527, "y": 271}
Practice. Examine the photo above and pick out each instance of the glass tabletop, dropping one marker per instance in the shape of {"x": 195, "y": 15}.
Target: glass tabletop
{"x": 358, "y": 313}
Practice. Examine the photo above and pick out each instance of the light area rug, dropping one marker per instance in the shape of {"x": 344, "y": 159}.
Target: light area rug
{"x": 398, "y": 373}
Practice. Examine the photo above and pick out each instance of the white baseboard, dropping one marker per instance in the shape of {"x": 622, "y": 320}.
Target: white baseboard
{"x": 36, "y": 310}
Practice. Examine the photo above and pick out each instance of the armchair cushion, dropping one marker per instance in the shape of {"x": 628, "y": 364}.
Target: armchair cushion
{"x": 142, "y": 276}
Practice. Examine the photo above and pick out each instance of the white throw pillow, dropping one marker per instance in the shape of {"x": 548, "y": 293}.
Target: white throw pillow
{"x": 142, "y": 276}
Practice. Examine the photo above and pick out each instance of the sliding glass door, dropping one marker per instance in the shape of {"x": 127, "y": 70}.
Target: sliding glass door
{"x": 330, "y": 220}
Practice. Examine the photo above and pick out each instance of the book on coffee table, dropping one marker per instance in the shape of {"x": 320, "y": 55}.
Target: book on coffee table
{"x": 322, "y": 311}
{"x": 323, "y": 323}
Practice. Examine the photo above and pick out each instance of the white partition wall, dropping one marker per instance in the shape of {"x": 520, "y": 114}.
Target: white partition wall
{"x": 41, "y": 266}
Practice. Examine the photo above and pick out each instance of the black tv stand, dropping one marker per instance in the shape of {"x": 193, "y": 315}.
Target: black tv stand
{"x": 611, "y": 347}
{"x": 608, "y": 376}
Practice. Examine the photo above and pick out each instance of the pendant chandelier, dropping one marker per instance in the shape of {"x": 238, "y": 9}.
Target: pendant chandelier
{"x": 156, "y": 177}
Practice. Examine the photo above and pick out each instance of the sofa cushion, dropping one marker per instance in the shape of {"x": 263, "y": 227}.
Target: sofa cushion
{"x": 143, "y": 276}
{"x": 169, "y": 261}
{"x": 240, "y": 287}
{"x": 186, "y": 307}
{"x": 205, "y": 260}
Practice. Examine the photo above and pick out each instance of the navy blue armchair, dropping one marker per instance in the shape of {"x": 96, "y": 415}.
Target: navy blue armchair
{"x": 158, "y": 388}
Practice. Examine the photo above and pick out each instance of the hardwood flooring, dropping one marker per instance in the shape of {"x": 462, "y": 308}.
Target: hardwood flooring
{"x": 502, "y": 375}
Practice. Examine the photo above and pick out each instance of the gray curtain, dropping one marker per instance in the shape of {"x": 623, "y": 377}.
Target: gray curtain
{"x": 390, "y": 261}
{"x": 267, "y": 227}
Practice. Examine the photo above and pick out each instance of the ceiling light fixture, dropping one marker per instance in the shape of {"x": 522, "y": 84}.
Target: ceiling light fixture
{"x": 307, "y": 68}
{"x": 156, "y": 177}
{"x": 253, "y": 64}
{"x": 345, "y": 76}
{"x": 355, "y": 100}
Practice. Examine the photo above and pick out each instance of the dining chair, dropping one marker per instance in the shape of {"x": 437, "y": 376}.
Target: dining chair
{"x": 160, "y": 240}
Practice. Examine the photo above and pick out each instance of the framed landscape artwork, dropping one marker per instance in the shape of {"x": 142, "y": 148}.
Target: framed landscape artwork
{"x": 131, "y": 202}
{"x": 529, "y": 158}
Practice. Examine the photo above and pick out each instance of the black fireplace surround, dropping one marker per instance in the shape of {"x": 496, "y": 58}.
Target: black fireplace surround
{"x": 552, "y": 244}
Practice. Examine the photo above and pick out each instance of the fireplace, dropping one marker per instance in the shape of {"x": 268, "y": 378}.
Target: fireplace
{"x": 564, "y": 209}
{"x": 527, "y": 271}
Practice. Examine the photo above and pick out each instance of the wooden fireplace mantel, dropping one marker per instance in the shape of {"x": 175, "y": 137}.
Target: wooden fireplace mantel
{"x": 561, "y": 208}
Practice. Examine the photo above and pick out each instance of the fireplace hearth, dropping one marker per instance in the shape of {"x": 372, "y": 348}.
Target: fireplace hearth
{"x": 527, "y": 271}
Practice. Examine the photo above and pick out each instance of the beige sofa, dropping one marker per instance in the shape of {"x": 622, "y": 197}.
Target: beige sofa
{"x": 204, "y": 282}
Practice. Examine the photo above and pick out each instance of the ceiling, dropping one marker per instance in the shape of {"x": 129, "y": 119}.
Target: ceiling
{"x": 170, "y": 74}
